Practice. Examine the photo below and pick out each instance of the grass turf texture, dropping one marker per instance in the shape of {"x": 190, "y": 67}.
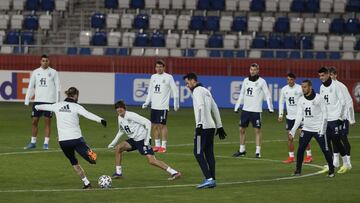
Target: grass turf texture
{"x": 239, "y": 179}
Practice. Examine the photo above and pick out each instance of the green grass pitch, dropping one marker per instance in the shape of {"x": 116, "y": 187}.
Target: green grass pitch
{"x": 47, "y": 176}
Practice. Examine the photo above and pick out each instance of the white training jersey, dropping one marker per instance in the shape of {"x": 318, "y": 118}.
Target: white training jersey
{"x": 67, "y": 118}
{"x": 349, "y": 113}
{"x": 204, "y": 104}
{"x": 334, "y": 100}
{"x": 134, "y": 126}
{"x": 290, "y": 96}
{"x": 160, "y": 87}
{"x": 313, "y": 115}
{"x": 46, "y": 84}
{"x": 252, "y": 95}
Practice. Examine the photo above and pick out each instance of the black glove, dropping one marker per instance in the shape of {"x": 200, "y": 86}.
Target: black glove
{"x": 103, "y": 122}
{"x": 198, "y": 129}
{"x": 221, "y": 133}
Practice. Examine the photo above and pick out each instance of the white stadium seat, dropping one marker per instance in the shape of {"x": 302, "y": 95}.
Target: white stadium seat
{"x": 296, "y": 25}
{"x": 163, "y": 52}
{"x": 231, "y": 5}
{"x": 335, "y": 43}
{"x": 149, "y": 52}
{"x": 326, "y": 5}
{"x": 137, "y": 51}
{"x": 45, "y": 21}
{"x": 284, "y": 5}
{"x": 2, "y": 36}
{"x": 310, "y": 25}
{"x": 155, "y": 21}
{"x": 113, "y": 38}
{"x": 60, "y": 5}
{"x": 183, "y": 22}
{"x": 186, "y": 40}
{"x": 348, "y": 56}
{"x": 4, "y": 21}
{"x": 19, "y": 5}
{"x": 200, "y": 41}
{"x": 112, "y": 20}
{"x": 164, "y": 4}
{"x": 230, "y": 41}
{"x": 320, "y": 42}
{"x": 245, "y": 41}
{"x": 85, "y": 37}
{"x": 169, "y": 22}
{"x": 191, "y": 4}
{"x": 17, "y": 21}
{"x": 255, "y": 54}
{"x": 244, "y": 5}
{"x": 226, "y": 23}
{"x": 268, "y": 24}
{"x": 271, "y": 5}
{"x": 324, "y": 25}
{"x": 177, "y": 4}
{"x": 128, "y": 39}
{"x": 172, "y": 40}
{"x": 175, "y": 52}
{"x": 6, "y": 49}
{"x": 254, "y": 23}
{"x": 5, "y": 5}
{"x": 339, "y": 6}
{"x": 124, "y": 4}
{"x": 127, "y": 21}
{"x": 202, "y": 53}
{"x": 150, "y": 3}
{"x": 349, "y": 43}
{"x": 97, "y": 51}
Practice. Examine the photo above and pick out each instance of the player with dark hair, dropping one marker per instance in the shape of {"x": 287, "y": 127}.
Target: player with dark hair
{"x": 44, "y": 82}
{"x": 70, "y": 136}
{"x": 204, "y": 105}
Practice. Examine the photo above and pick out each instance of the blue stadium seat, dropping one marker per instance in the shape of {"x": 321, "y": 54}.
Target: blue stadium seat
{"x": 31, "y": 22}
{"x": 12, "y": 38}
{"x": 240, "y": 54}
{"x": 335, "y": 55}
{"x": 85, "y": 51}
{"x": 99, "y": 39}
{"x": 98, "y": 20}
{"x": 267, "y": 54}
{"x": 215, "y": 41}
{"x": 321, "y": 55}
{"x": 352, "y": 26}
{"x": 298, "y": 6}
{"x": 281, "y": 54}
{"x": 212, "y": 23}
{"x": 157, "y": 40}
{"x": 337, "y": 26}
{"x": 32, "y": 5}
{"x": 141, "y": 21}
{"x": 47, "y": 5}
{"x": 123, "y": 51}
{"x": 72, "y": 51}
{"x": 217, "y": 5}
{"x": 282, "y": 25}
{"x": 197, "y": 23}
{"x": 228, "y": 54}
{"x": 27, "y": 38}
{"x": 203, "y": 5}
{"x": 312, "y": 6}
{"x": 257, "y": 5}
{"x": 357, "y": 45}
{"x": 141, "y": 40}
{"x": 306, "y": 42}
{"x": 110, "y": 51}
{"x": 215, "y": 53}
{"x": 294, "y": 55}
{"x": 290, "y": 42}
{"x": 259, "y": 42}
{"x": 137, "y": 4}
{"x": 308, "y": 55}
{"x": 18, "y": 50}
{"x": 239, "y": 24}
{"x": 275, "y": 42}
{"x": 189, "y": 53}
{"x": 111, "y": 4}
{"x": 353, "y": 6}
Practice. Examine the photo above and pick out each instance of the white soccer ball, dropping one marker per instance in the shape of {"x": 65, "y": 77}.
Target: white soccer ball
{"x": 105, "y": 181}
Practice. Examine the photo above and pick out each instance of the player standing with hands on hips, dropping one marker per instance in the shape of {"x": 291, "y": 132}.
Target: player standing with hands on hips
{"x": 161, "y": 84}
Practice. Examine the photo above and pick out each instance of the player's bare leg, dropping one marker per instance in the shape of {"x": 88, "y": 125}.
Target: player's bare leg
{"x": 119, "y": 149}
{"x": 160, "y": 164}
{"x": 155, "y": 128}
{"x": 258, "y": 136}
{"x": 164, "y": 137}
{"x": 80, "y": 171}
{"x": 47, "y": 132}
{"x": 242, "y": 150}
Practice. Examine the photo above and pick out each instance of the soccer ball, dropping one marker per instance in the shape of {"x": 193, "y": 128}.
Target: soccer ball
{"x": 104, "y": 181}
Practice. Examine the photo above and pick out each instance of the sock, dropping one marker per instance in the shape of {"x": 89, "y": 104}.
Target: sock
{"x": 258, "y": 148}
{"x": 86, "y": 181}
{"x": 348, "y": 160}
{"x": 163, "y": 144}
{"x": 308, "y": 152}
{"x": 336, "y": 156}
{"x": 242, "y": 148}
{"x": 291, "y": 154}
{"x": 210, "y": 179}
{"x": 33, "y": 139}
{"x": 46, "y": 140}
{"x": 345, "y": 161}
{"x": 171, "y": 171}
{"x": 157, "y": 143}
{"x": 118, "y": 170}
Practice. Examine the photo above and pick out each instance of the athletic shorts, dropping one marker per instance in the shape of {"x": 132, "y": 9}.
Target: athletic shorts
{"x": 334, "y": 128}
{"x": 158, "y": 116}
{"x": 70, "y": 146}
{"x": 253, "y": 117}
{"x": 38, "y": 114}
{"x": 139, "y": 145}
{"x": 345, "y": 128}
{"x": 290, "y": 124}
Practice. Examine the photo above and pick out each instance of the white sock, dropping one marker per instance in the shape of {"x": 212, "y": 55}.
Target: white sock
{"x": 118, "y": 170}
{"x": 210, "y": 179}
{"x": 86, "y": 181}
{"x": 242, "y": 148}
{"x": 171, "y": 171}
{"x": 336, "y": 156}
{"x": 258, "y": 148}
{"x": 33, "y": 140}
{"x": 308, "y": 152}
{"x": 163, "y": 144}
{"x": 348, "y": 160}
{"x": 291, "y": 154}
{"x": 345, "y": 161}
{"x": 157, "y": 143}
{"x": 46, "y": 140}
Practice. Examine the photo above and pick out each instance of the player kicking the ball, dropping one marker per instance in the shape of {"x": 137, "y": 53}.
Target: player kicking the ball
{"x": 137, "y": 128}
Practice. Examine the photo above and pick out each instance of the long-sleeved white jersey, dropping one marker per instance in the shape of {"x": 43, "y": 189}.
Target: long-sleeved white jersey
{"x": 349, "y": 113}
{"x": 334, "y": 100}
{"x": 290, "y": 96}
{"x": 313, "y": 115}
{"x": 46, "y": 84}
{"x": 134, "y": 126}
{"x": 204, "y": 104}
{"x": 252, "y": 95}
{"x": 160, "y": 87}
{"x": 67, "y": 118}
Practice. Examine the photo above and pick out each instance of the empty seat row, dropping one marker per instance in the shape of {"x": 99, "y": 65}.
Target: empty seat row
{"x": 30, "y": 22}
{"x": 17, "y": 38}
{"x": 31, "y": 5}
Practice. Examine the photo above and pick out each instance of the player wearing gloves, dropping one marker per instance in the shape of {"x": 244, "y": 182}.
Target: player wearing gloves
{"x": 312, "y": 111}
{"x": 204, "y": 104}
{"x": 137, "y": 128}
{"x": 70, "y": 136}
{"x": 160, "y": 87}
{"x": 252, "y": 92}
